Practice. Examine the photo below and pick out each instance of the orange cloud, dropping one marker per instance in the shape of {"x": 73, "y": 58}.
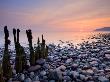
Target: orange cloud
{"x": 84, "y": 24}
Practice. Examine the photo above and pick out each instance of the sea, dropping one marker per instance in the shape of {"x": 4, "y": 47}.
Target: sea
{"x": 51, "y": 37}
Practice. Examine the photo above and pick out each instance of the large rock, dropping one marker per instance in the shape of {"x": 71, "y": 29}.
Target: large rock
{"x": 40, "y": 61}
{"x": 34, "y": 68}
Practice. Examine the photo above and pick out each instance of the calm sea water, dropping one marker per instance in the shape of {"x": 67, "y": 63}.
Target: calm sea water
{"x": 52, "y": 37}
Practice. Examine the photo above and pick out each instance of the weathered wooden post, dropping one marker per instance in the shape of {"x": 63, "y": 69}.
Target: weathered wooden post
{"x": 18, "y": 35}
{"x": 46, "y": 51}
{"x": 18, "y": 64}
{"x": 24, "y": 61}
{"x": 37, "y": 51}
{"x": 14, "y": 34}
{"x": 32, "y": 54}
{"x": 43, "y": 47}
{"x": 7, "y": 70}
{"x": 20, "y": 60}
{"x": 1, "y": 74}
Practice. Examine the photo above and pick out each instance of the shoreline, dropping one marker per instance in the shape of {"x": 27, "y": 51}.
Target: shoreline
{"x": 89, "y": 63}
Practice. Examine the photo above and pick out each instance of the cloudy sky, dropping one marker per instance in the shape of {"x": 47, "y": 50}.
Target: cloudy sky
{"x": 55, "y": 15}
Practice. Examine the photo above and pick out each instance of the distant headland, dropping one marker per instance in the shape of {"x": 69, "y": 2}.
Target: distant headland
{"x": 103, "y": 29}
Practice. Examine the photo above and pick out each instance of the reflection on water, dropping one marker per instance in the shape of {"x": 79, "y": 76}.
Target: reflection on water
{"x": 52, "y": 37}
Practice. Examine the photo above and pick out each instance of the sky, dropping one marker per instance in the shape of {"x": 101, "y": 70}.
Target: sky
{"x": 55, "y": 15}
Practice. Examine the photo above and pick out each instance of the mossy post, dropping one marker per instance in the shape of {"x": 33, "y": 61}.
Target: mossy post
{"x": 7, "y": 70}
{"x": 46, "y": 51}
{"x": 18, "y": 35}
{"x": 23, "y": 57}
{"x": 37, "y": 51}
{"x": 43, "y": 48}
{"x": 14, "y": 34}
{"x": 1, "y": 74}
{"x": 19, "y": 61}
{"x": 32, "y": 55}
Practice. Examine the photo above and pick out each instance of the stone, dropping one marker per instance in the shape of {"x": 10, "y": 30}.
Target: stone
{"x": 64, "y": 57}
{"x": 40, "y": 61}
{"x": 55, "y": 74}
{"x": 35, "y": 81}
{"x": 107, "y": 56}
{"x": 45, "y": 77}
{"x": 42, "y": 73}
{"x": 14, "y": 71}
{"x": 103, "y": 79}
{"x": 62, "y": 68}
{"x": 34, "y": 68}
{"x": 36, "y": 78}
{"x": 75, "y": 74}
{"x": 82, "y": 77}
{"x": 67, "y": 78}
{"x": 31, "y": 74}
{"x": 69, "y": 60}
{"x": 86, "y": 67}
{"x": 52, "y": 74}
{"x": 22, "y": 77}
{"x": 27, "y": 80}
{"x": 10, "y": 80}
{"x": 107, "y": 70}
{"x": 74, "y": 66}
{"x": 50, "y": 58}
{"x": 89, "y": 71}
{"x": 93, "y": 62}
{"x": 28, "y": 63}
{"x": 46, "y": 66}
{"x": 52, "y": 81}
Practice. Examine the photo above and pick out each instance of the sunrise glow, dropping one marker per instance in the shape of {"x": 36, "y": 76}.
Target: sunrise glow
{"x": 56, "y": 15}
